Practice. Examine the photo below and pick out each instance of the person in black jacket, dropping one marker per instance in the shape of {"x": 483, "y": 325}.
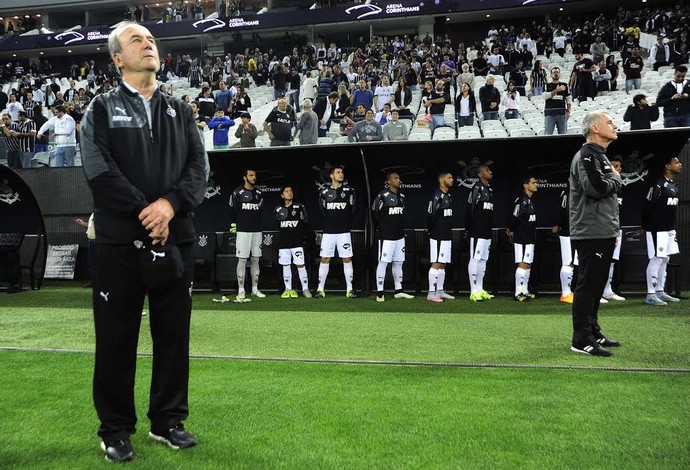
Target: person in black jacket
{"x": 326, "y": 110}
{"x": 640, "y": 114}
{"x": 144, "y": 162}
{"x": 674, "y": 97}
{"x": 489, "y": 97}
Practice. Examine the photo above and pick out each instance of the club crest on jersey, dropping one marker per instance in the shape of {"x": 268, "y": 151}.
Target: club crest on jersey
{"x": 268, "y": 239}
{"x": 203, "y": 240}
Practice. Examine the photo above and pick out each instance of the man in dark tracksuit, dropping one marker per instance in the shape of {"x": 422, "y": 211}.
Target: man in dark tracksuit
{"x": 144, "y": 161}
{"x": 594, "y": 226}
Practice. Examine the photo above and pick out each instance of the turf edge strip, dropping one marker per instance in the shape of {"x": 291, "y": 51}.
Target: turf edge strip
{"x": 459, "y": 365}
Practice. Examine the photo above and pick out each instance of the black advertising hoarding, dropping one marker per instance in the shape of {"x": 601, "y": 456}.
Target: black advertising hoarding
{"x": 376, "y": 10}
{"x": 418, "y": 163}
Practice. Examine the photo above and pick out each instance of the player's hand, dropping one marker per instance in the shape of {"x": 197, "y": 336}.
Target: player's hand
{"x": 233, "y": 228}
{"x": 157, "y": 213}
{"x": 509, "y": 233}
{"x": 556, "y": 229}
{"x": 160, "y": 235}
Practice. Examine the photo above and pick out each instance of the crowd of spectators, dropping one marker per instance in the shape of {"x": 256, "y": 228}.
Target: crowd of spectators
{"x": 373, "y": 82}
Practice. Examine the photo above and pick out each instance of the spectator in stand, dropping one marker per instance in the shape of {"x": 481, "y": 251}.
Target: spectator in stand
{"x": 344, "y": 100}
{"x": 674, "y": 97}
{"x": 9, "y": 128}
{"x": 681, "y": 49}
{"x": 310, "y": 86}
{"x": 519, "y": 78}
{"x": 308, "y": 125}
{"x": 41, "y": 144}
{"x": 557, "y": 104}
{"x": 640, "y": 114}
{"x": 598, "y": 49}
{"x": 402, "y": 98}
{"x": 367, "y": 130}
{"x": 465, "y": 106}
{"x": 246, "y": 132}
{"x": 537, "y": 78}
{"x": 384, "y": 94}
{"x": 581, "y": 78}
{"x": 395, "y": 130}
{"x": 362, "y": 96}
{"x": 559, "y": 41}
{"x": 347, "y": 122}
{"x": 220, "y": 124}
{"x": 294, "y": 81}
{"x": 207, "y": 103}
{"x": 465, "y": 77}
{"x": 632, "y": 66}
{"x": 325, "y": 110}
{"x": 480, "y": 65}
{"x": 612, "y": 67}
{"x": 602, "y": 79}
{"x": 511, "y": 101}
{"x": 436, "y": 105}
{"x": 13, "y": 107}
{"x": 383, "y": 117}
{"x": 489, "y": 97}
{"x": 64, "y": 128}
{"x": 224, "y": 98}
{"x": 279, "y": 124}
{"x": 659, "y": 54}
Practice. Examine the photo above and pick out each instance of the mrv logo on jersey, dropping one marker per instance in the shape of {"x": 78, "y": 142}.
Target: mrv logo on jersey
{"x": 395, "y": 211}
{"x": 336, "y": 205}
{"x": 289, "y": 223}
{"x": 250, "y": 206}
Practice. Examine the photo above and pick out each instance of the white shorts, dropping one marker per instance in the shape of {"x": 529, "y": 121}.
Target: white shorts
{"x": 291, "y": 255}
{"x": 617, "y": 249}
{"x": 479, "y": 248}
{"x": 662, "y": 244}
{"x": 567, "y": 252}
{"x": 341, "y": 241}
{"x": 248, "y": 245}
{"x": 524, "y": 253}
{"x": 392, "y": 250}
{"x": 440, "y": 251}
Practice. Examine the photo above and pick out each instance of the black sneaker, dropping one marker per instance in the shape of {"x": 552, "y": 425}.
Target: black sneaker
{"x": 592, "y": 349}
{"x": 118, "y": 451}
{"x": 608, "y": 343}
{"x": 175, "y": 438}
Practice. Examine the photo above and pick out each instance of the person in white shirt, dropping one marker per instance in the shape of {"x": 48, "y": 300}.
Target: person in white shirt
{"x": 383, "y": 117}
{"x": 511, "y": 101}
{"x": 309, "y": 87}
{"x": 63, "y": 127}
{"x": 384, "y": 94}
{"x": 13, "y": 107}
{"x": 496, "y": 62}
{"x": 559, "y": 40}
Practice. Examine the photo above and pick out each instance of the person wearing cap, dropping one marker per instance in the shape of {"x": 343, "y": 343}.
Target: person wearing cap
{"x": 246, "y": 132}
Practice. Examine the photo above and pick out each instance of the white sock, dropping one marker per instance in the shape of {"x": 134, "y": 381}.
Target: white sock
{"x": 566, "y": 280}
{"x": 381, "y": 275}
{"x": 433, "y": 279}
{"x": 608, "y": 290}
{"x": 662, "y": 275}
{"x": 520, "y": 281}
{"x": 528, "y": 272}
{"x": 303, "y": 277}
{"x": 349, "y": 272}
{"x": 472, "y": 270}
{"x": 481, "y": 271}
{"x": 441, "y": 278}
{"x": 323, "y": 274}
{"x": 653, "y": 275}
{"x": 397, "y": 272}
{"x": 241, "y": 271}
{"x": 287, "y": 277}
{"x": 254, "y": 271}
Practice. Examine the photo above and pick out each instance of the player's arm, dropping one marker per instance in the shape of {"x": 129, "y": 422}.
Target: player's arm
{"x": 322, "y": 202}
{"x": 303, "y": 215}
{"x": 233, "y": 203}
{"x": 353, "y": 202}
{"x": 376, "y": 208}
{"x": 431, "y": 212}
{"x": 515, "y": 216}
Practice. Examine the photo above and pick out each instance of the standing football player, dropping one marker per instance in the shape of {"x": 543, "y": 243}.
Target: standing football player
{"x": 338, "y": 204}
{"x": 440, "y": 226}
{"x": 388, "y": 212}
{"x": 291, "y": 217}
{"x": 522, "y": 231}
{"x": 479, "y": 222}
{"x": 245, "y": 209}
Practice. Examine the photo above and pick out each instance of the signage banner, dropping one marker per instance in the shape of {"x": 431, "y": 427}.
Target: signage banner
{"x": 61, "y": 261}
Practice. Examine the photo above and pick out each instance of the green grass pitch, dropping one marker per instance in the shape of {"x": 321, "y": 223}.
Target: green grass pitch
{"x": 499, "y": 387}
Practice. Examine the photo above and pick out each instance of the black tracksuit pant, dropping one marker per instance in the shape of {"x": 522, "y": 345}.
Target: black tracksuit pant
{"x": 118, "y": 299}
{"x": 593, "y": 269}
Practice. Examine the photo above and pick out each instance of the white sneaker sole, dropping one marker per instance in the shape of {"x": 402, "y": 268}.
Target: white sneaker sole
{"x": 163, "y": 440}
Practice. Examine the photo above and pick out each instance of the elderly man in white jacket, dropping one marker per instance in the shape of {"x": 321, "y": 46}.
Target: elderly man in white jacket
{"x": 64, "y": 131}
